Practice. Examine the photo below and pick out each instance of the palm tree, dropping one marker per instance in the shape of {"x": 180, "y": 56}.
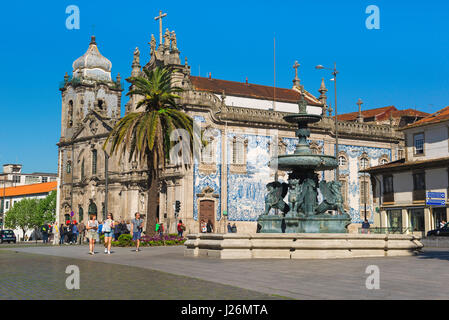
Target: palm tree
{"x": 145, "y": 135}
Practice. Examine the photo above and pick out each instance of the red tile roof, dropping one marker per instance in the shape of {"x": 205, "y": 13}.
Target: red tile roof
{"x": 439, "y": 116}
{"x": 383, "y": 113}
{"x": 28, "y": 189}
{"x": 233, "y": 88}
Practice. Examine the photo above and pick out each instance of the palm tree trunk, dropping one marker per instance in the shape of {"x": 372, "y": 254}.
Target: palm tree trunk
{"x": 153, "y": 199}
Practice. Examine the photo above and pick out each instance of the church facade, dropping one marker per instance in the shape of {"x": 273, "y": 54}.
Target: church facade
{"x": 226, "y": 182}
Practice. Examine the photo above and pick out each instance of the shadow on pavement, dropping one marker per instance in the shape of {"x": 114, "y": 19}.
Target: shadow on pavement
{"x": 430, "y": 254}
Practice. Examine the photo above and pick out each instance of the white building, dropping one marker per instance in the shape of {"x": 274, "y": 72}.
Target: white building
{"x": 412, "y": 193}
{"x": 11, "y": 195}
{"x": 13, "y": 176}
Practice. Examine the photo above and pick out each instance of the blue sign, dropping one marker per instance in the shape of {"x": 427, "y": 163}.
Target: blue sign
{"x": 436, "y": 198}
{"x": 436, "y": 195}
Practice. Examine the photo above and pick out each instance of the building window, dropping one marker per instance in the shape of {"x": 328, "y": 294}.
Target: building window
{"x": 401, "y": 154}
{"x": 419, "y": 186}
{"x": 44, "y": 179}
{"x": 388, "y": 189}
{"x": 364, "y": 163}
{"x": 82, "y": 170}
{"x": 69, "y": 166}
{"x": 238, "y": 151}
{"x": 16, "y": 179}
{"x": 6, "y": 205}
{"x": 383, "y": 161}
{"x": 395, "y": 220}
{"x": 341, "y": 161}
{"x": 207, "y": 152}
{"x": 94, "y": 161}
{"x": 70, "y": 114}
{"x": 419, "y": 143}
{"x": 416, "y": 217}
{"x": 364, "y": 190}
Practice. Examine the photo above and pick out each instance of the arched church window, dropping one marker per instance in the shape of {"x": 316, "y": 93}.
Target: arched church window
{"x": 341, "y": 160}
{"x": 238, "y": 151}
{"x": 364, "y": 163}
{"x": 207, "y": 152}
{"x": 94, "y": 161}
{"x": 100, "y": 104}
{"x": 82, "y": 170}
{"x": 70, "y": 114}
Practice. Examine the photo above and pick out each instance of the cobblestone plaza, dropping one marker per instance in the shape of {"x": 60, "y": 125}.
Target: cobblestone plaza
{"x": 38, "y": 272}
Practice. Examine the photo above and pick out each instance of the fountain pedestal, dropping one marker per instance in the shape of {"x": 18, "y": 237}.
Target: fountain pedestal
{"x": 322, "y": 223}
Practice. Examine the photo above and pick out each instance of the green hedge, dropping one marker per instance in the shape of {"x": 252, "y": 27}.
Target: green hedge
{"x": 125, "y": 240}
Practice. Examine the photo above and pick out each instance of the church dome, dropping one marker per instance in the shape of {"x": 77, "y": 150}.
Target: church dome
{"x": 92, "y": 65}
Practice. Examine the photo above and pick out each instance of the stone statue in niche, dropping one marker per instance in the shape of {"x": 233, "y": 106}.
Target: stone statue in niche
{"x": 275, "y": 197}
{"x": 332, "y": 198}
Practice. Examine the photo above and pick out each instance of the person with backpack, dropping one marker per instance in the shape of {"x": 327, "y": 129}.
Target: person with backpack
{"x": 44, "y": 230}
{"x": 181, "y": 228}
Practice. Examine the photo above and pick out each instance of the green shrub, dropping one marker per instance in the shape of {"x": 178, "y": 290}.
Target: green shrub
{"x": 125, "y": 240}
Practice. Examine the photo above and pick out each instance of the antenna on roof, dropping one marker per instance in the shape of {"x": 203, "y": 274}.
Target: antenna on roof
{"x": 274, "y": 73}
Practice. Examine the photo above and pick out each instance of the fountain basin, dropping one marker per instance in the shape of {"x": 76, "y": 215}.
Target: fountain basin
{"x": 293, "y": 162}
{"x": 323, "y": 223}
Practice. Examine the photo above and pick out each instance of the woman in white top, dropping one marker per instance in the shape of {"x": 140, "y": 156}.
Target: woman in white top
{"x": 108, "y": 229}
{"x": 92, "y": 234}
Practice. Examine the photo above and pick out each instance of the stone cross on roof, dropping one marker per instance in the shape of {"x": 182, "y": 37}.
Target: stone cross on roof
{"x": 159, "y": 17}
{"x": 296, "y": 81}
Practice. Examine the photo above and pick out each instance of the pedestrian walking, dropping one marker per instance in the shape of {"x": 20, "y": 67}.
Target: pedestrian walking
{"x": 81, "y": 230}
{"x": 136, "y": 229}
{"x": 61, "y": 234}
{"x": 181, "y": 228}
{"x": 75, "y": 232}
{"x": 44, "y": 230}
{"x": 108, "y": 229}
{"x": 100, "y": 231}
{"x": 117, "y": 231}
{"x": 365, "y": 226}
{"x": 69, "y": 233}
{"x": 209, "y": 227}
{"x": 203, "y": 226}
{"x": 55, "y": 233}
{"x": 92, "y": 232}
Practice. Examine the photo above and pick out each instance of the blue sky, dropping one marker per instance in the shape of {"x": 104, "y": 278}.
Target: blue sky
{"x": 405, "y": 63}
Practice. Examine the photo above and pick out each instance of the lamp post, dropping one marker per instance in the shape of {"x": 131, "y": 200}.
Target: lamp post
{"x": 334, "y": 73}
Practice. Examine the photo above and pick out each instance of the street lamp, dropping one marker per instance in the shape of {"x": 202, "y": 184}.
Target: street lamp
{"x": 334, "y": 73}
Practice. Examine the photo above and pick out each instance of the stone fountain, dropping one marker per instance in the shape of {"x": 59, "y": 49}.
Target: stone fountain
{"x": 302, "y": 213}
{"x": 302, "y": 228}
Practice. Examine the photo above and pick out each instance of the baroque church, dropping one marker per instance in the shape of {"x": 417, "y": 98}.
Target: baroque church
{"x": 243, "y": 124}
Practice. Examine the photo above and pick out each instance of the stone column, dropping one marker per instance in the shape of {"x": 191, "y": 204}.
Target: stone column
{"x": 405, "y": 219}
{"x": 427, "y": 220}
{"x": 384, "y": 218}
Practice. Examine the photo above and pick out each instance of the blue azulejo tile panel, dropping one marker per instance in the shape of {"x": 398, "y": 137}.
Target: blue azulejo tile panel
{"x": 246, "y": 192}
{"x": 354, "y": 153}
{"x": 213, "y": 180}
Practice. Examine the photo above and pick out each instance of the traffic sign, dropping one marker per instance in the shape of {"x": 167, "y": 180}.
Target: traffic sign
{"x": 436, "y": 198}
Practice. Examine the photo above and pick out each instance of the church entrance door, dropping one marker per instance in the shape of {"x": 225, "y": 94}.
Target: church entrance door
{"x": 207, "y": 212}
